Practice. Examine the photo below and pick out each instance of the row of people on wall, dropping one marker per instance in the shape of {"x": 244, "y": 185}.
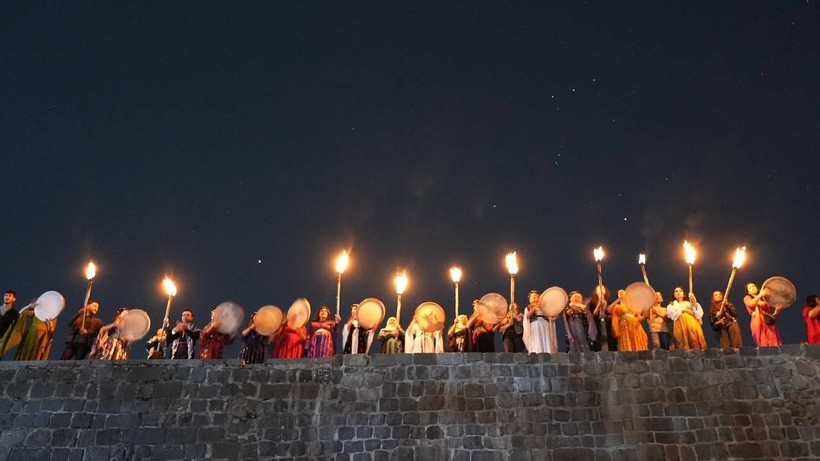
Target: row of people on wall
{"x": 592, "y": 324}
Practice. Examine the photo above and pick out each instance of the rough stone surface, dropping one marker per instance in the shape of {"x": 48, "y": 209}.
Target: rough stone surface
{"x": 745, "y": 404}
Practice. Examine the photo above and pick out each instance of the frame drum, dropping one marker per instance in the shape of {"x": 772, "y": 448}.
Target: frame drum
{"x": 639, "y": 297}
{"x": 553, "y": 301}
{"x": 267, "y": 320}
{"x": 430, "y": 317}
{"x": 781, "y": 292}
{"x": 492, "y": 307}
{"x": 298, "y": 314}
{"x": 136, "y": 324}
{"x": 230, "y": 316}
{"x": 49, "y": 305}
{"x": 370, "y": 313}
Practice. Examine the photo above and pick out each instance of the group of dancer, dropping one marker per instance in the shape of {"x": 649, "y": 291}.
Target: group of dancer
{"x": 591, "y": 324}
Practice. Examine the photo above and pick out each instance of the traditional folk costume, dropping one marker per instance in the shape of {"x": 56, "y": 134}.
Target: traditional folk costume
{"x": 539, "y": 333}
{"x": 182, "y": 341}
{"x": 212, "y": 344}
{"x": 36, "y": 344}
{"x": 289, "y": 343}
{"x": 156, "y": 347}
{"x": 688, "y": 332}
{"x": 459, "y": 338}
{"x": 357, "y": 339}
{"x": 110, "y": 346}
{"x": 392, "y": 337}
{"x": 626, "y": 327}
{"x": 764, "y": 329}
{"x": 254, "y": 349}
{"x": 581, "y": 328}
{"x": 482, "y": 336}
{"x": 812, "y": 324}
{"x": 512, "y": 334}
{"x": 417, "y": 341}
{"x": 321, "y": 341}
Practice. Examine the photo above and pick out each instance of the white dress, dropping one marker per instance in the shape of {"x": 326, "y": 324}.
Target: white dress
{"x": 540, "y": 335}
{"x": 417, "y": 341}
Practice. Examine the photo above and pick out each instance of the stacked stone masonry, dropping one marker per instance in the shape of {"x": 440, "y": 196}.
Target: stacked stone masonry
{"x": 747, "y": 404}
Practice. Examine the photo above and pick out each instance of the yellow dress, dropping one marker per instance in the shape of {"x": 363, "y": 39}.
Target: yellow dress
{"x": 628, "y": 330}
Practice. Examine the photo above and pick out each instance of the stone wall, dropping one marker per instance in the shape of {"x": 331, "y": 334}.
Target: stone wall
{"x": 665, "y": 405}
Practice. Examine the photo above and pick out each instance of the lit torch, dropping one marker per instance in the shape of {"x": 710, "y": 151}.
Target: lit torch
{"x": 90, "y": 273}
{"x": 401, "y": 285}
{"x": 740, "y": 257}
{"x": 171, "y": 291}
{"x": 598, "y": 254}
{"x": 642, "y": 263}
{"x": 689, "y": 253}
{"x": 341, "y": 265}
{"x": 455, "y": 274}
{"x": 512, "y": 267}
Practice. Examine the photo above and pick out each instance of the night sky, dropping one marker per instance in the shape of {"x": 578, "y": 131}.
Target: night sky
{"x": 239, "y": 148}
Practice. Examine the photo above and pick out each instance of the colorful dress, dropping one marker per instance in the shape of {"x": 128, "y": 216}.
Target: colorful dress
{"x": 37, "y": 343}
{"x": 254, "y": 349}
{"x": 289, "y": 344}
{"x": 765, "y": 335}
{"x": 628, "y": 330}
{"x": 688, "y": 332}
{"x": 321, "y": 341}
{"x": 109, "y": 346}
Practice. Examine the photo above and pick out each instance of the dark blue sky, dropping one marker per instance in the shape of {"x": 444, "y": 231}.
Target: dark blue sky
{"x": 196, "y": 139}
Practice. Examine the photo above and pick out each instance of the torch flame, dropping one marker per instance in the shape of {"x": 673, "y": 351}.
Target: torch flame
{"x": 170, "y": 288}
{"x": 598, "y": 253}
{"x": 90, "y": 271}
{"x": 401, "y": 283}
{"x": 689, "y": 252}
{"x": 512, "y": 263}
{"x": 641, "y": 258}
{"x": 740, "y": 256}
{"x": 455, "y": 274}
{"x": 341, "y": 262}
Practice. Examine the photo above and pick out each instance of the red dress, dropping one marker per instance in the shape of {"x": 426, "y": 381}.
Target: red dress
{"x": 812, "y": 326}
{"x": 765, "y": 335}
{"x": 212, "y": 343}
{"x": 288, "y": 343}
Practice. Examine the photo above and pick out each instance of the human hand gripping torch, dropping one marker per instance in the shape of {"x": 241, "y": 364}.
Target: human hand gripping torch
{"x": 512, "y": 268}
{"x": 740, "y": 257}
{"x": 642, "y": 262}
{"x": 401, "y": 285}
{"x": 171, "y": 291}
{"x": 689, "y": 253}
{"x": 341, "y": 265}
{"x": 455, "y": 274}
{"x": 90, "y": 273}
